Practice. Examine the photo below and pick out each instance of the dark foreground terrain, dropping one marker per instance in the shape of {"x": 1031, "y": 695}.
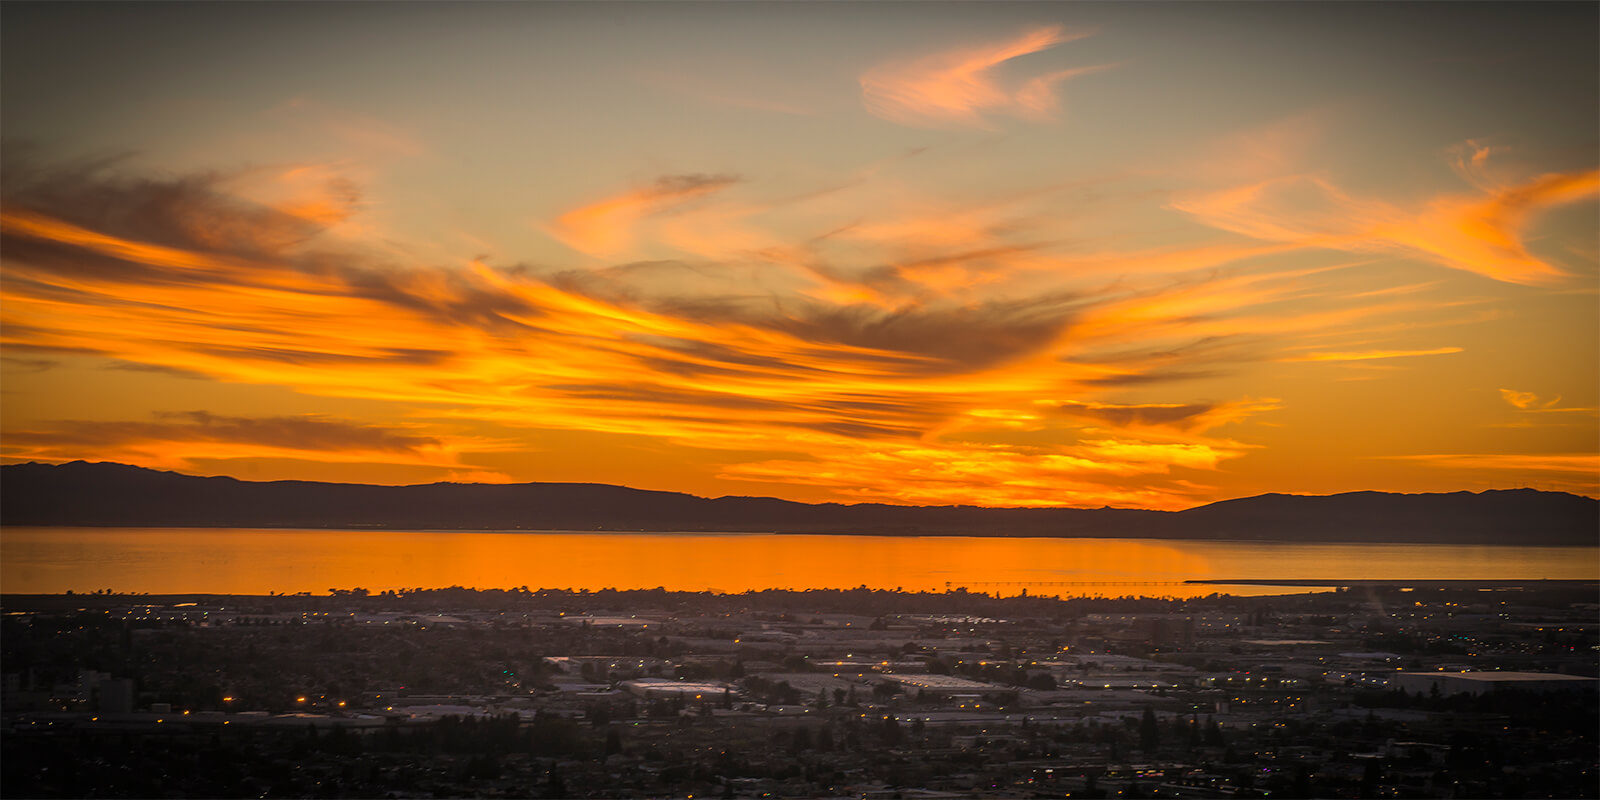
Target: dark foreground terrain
{"x": 1372, "y": 692}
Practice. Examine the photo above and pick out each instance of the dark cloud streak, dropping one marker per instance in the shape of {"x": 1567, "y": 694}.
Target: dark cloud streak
{"x": 290, "y": 433}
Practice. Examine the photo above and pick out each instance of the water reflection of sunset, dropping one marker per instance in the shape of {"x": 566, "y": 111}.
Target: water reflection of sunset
{"x": 230, "y": 561}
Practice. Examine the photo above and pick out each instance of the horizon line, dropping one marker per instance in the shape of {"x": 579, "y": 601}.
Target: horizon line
{"x": 1522, "y": 488}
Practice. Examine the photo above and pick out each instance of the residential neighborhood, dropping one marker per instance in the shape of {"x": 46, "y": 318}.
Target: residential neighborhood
{"x": 1361, "y": 692}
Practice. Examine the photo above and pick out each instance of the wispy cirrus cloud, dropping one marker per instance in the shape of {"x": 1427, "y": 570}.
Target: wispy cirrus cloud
{"x": 1371, "y": 355}
{"x": 155, "y": 369}
{"x": 957, "y": 88}
{"x": 1531, "y": 403}
{"x": 1102, "y": 472}
{"x": 1525, "y": 401}
{"x": 1195, "y": 417}
{"x": 30, "y": 364}
{"x": 972, "y": 367}
{"x": 1482, "y": 233}
{"x": 175, "y": 440}
{"x": 1486, "y": 234}
{"x": 607, "y": 227}
{"x": 247, "y": 213}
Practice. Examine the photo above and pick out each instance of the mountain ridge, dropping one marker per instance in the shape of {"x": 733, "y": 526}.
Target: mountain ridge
{"x": 107, "y": 494}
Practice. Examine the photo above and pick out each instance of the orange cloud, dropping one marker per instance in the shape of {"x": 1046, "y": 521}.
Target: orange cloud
{"x": 1482, "y": 234}
{"x": 607, "y": 227}
{"x": 1472, "y": 159}
{"x": 1214, "y": 315}
{"x": 1188, "y": 417}
{"x": 971, "y": 372}
{"x": 1485, "y": 235}
{"x": 1531, "y": 403}
{"x": 1523, "y": 400}
{"x": 478, "y": 476}
{"x": 1123, "y": 473}
{"x": 522, "y": 352}
{"x": 318, "y": 194}
{"x": 956, "y": 88}
{"x": 1159, "y": 456}
{"x": 40, "y": 227}
{"x": 175, "y": 441}
{"x": 1368, "y": 355}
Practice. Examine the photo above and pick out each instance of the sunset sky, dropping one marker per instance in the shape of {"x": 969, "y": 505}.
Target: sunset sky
{"x": 1139, "y": 255}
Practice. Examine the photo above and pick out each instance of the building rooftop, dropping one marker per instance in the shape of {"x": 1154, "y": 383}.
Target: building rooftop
{"x": 1513, "y": 677}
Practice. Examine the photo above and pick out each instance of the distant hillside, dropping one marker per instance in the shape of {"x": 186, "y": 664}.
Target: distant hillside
{"x": 1505, "y": 516}
{"x": 81, "y": 493}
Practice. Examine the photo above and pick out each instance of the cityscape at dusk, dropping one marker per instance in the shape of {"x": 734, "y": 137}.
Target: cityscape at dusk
{"x": 1073, "y": 254}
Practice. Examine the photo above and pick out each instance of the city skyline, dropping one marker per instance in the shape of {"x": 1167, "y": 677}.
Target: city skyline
{"x": 1007, "y": 255}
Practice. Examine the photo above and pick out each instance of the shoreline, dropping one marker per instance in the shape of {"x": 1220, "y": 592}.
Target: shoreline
{"x": 32, "y": 602}
{"x": 903, "y": 534}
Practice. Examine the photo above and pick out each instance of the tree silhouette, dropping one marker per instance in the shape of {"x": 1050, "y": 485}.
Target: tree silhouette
{"x": 1149, "y": 732}
{"x": 891, "y": 731}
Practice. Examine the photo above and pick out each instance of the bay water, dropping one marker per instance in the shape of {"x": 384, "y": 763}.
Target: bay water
{"x": 261, "y": 561}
